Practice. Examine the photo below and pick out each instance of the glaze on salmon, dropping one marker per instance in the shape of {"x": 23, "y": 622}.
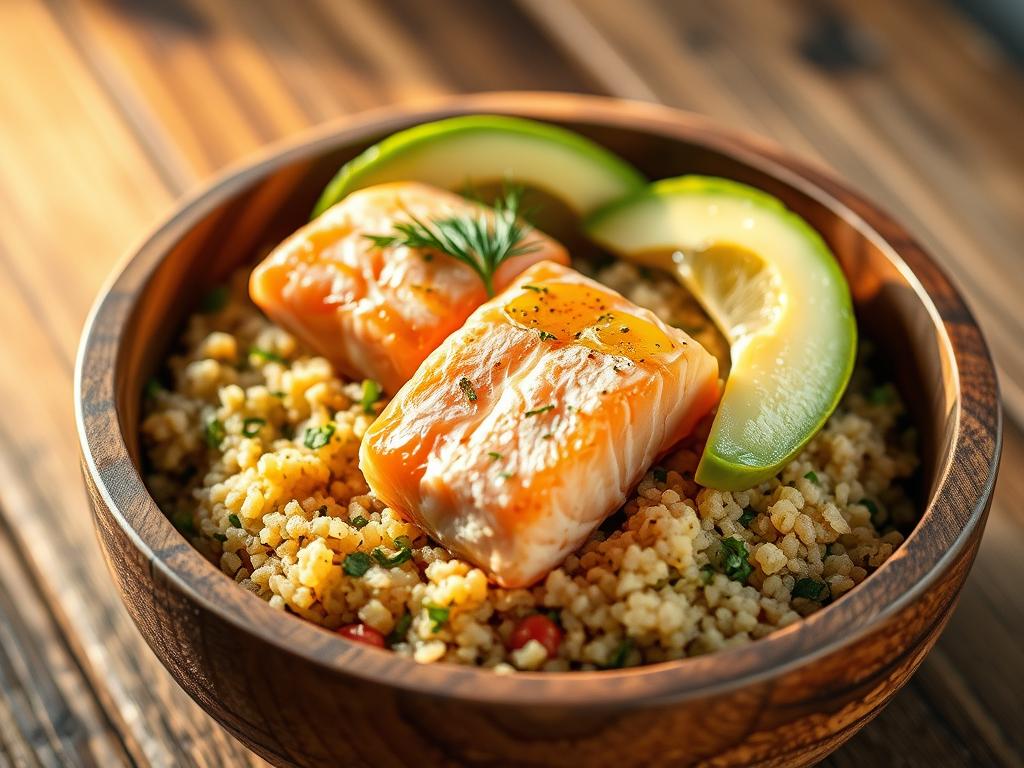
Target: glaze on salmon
{"x": 529, "y": 425}
{"x": 377, "y": 312}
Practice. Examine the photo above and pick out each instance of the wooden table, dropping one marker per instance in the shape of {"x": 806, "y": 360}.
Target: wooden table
{"x": 112, "y": 109}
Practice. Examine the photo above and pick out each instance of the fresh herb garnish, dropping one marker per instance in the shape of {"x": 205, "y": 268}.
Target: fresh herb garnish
{"x": 479, "y": 240}
{"x": 749, "y": 513}
{"x": 152, "y": 389}
{"x": 371, "y": 394}
{"x": 251, "y": 426}
{"x": 220, "y": 537}
{"x": 266, "y": 355}
{"x": 707, "y": 572}
{"x": 235, "y": 522}
{"x": 618, "y": 659}
{"x": 356, "y": 564}
{"x": 660, "y": 474}
{"x": 318, "y": 437}
{"x": 385, "y": 561}
{"x": 539, "y": 411}
{"x": 811, "y": 589}
{"x": 873, "y": 509}
{"x": 215, "y": 300}
{"x": 214, "y": 433}
{"x": 813, "y": 477}
{"x": 734, "y": 560}
{"x": 438, "y": 615}
{"x": 403, "y": 542}
{"x": 467, "y": 389}
{"x": 882, "y": 395}
{"x": 545, "y": 336}
{"x": 494, "y": 455}
{"x": 277, "y": 393}
{"x": 359, "y": 522}
{"x": 534, "y": 288}
{"x": 401, "y": 629}
{"x": 506, "y": 475}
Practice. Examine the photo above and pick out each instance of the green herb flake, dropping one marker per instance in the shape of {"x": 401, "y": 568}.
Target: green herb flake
{"x": 660, "y": 474}
{"x": 734, "y": 560}
{"x": 506, "y": 475}
{"x": 152, "y": 389}
{"x": 876, "y": 513}
{"x": 318, "y": 437}
{"x": 545, "y": 336}
{"x": 356, "y": 564}
{"x": 359, "y": 522}
{"x": 403, "y": 542}
{"x": 214, "y": 433}
{"x": 438, "y": 616}
{"x": 494, "y": 455}
{"x": 277, "y": 393}
{"x": 480, "y": 240}
{"x": 882, "y": 395}
{"x": 266, "y": 355}
{"x": 748, "y": 516}
{"x": 539, "y": 411}
{"x": 467, "y": 389}
{"x": 534, "y": 288}
{"x": 220, "y": 537}
{"x": 618, "y": 659}
{"x": 371, "y": 394}
{"x": 235, "y": 522}
{"x": 401, "y": 629}
{"x": 707, "y": 572}
{"x": 215, "y": 300}
{"x": 252, "y": 426}
{"x": 811, "y": 589}
{"x": 390, "y": 561}
{"x": 813, "y": 477}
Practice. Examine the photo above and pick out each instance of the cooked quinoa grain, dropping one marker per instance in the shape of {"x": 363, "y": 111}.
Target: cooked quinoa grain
{"x": 252, "y": 447}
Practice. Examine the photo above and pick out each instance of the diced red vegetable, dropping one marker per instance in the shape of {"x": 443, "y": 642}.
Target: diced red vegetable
{"x": 540, "y": 628}
{"x": 361, "y": 633}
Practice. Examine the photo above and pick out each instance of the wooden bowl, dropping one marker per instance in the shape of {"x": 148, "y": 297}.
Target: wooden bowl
{"x": 300, "y": 695}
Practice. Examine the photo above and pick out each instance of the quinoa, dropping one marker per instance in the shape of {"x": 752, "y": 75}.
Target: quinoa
{"x": 252, "y": 449}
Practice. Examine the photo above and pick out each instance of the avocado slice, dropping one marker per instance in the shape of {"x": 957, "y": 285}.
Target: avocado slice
{"x": 474, "y": 151}
{"x": 771, "y": 285}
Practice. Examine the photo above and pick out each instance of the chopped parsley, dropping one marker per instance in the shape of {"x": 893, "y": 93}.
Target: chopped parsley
{"x": 539, "y": 411}
{"x": 876, "y": 513}
{"x": 734, "y": 560}
{"x": 882, "y": 395}
{"x": 545, "y": 336}
{"x": 660, "y": 474}
{"x": 811, "y": 589}
{"x": 467, "y": 389}
{"x": 235, "y": 522}
{"x": 494, "y": 455}
{"x": 152, "y": 389}
{"x": 371, "y": 394}
{"x": 534, "y": 288}
{"x": 403, "y": 542}
{"x": 813, "y": 477}
{"x": 359, "y": 522}
{"x": 220, "y": 537}
{"x": 506, "y": 475}
{"x": 214, "y": 433}
{"x": 401, "y": 629}
{"x": 356, "y": 564}
{"x": 277, "y": 393}
{"x": 402, "y": 555}
{"x": 749, "y": 513}
{"x": 251, "y": 426}
{"x": 266, "y": 355}
{"x": 318, "y": 437}
{"x": 707, "y": 572}
{"x": 438, "y": 616}
{"x": 215, "y": 300}
{"x": 618, "y": 659}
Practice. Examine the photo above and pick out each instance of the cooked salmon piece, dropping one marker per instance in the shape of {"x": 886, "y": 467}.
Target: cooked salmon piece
{"x": 377, "y": 312}
{"x": 529, "y": 425}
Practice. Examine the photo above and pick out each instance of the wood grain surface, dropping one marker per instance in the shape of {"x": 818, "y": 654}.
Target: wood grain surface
{"x": 112, "y": 109}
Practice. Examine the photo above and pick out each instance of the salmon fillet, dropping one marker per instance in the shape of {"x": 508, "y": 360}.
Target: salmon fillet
{"x": 377, "y": 312}
{"x": 529, "y": 425}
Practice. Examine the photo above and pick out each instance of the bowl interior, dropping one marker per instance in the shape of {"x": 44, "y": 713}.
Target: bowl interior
{"x": 135, "y": 325}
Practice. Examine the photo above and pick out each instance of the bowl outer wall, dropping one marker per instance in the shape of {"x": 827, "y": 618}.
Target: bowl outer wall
{"x": 954, "y": 515}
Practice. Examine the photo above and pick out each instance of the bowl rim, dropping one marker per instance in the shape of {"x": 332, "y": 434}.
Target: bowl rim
{"x": 121, "y": 488}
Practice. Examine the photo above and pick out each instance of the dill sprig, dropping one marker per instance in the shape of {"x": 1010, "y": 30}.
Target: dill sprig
{"x": 478, "y": 240}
